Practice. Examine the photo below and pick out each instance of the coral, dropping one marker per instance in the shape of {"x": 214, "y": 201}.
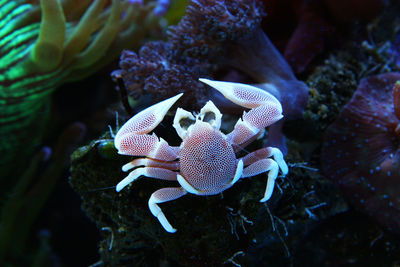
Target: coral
{"x": 212, "y": 38}
{"x": 163, "y": 69}
{"x": 46, "y": 44}
{"x": 361, "y": 150}
{"x": 154, "y": 71}
{"x": 209, "y": 25}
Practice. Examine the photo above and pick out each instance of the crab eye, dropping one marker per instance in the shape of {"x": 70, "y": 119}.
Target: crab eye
{"x": 183, "y": 119}
{"x": 210, "y": 114}
{"x": 209, "y": 117}
{"x": 186, "y": 122}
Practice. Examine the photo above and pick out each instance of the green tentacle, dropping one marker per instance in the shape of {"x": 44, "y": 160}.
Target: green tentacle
{"x": 46, "y": 43}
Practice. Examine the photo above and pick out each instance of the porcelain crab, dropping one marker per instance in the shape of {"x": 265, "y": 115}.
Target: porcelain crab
{"x": 205, "y": 163}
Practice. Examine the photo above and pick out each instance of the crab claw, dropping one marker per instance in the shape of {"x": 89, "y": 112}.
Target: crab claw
{"x": 132, "y": 138}
{"x": 265, "y": 109}
{"x": 243, "y": 94}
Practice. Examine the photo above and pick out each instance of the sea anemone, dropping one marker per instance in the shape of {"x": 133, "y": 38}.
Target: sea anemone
{"x": 361, "y": 151}
{"x": 46, "y": 43}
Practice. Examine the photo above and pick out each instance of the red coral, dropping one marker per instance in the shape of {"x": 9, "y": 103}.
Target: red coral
{"x": 361, "y": 151}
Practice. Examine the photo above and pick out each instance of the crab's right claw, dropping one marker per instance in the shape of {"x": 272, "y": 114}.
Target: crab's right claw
{"x": 133, "y": 138}
{"x": 145, "y": 121}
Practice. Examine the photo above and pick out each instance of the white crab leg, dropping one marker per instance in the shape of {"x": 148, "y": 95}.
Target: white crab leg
{"x": 188, "y": 187}
{"x": 152, "y": 172}
{"x": 238, "y": 173}
{"x": 265, "y": 109}
{"x": 132, "y": 139}
{"x": 147, "y": 162}
{"x": 261, "y": 166}
{"x": 257, "y": 163}
{"x": 164, "y": 195}
{"x": 265, "y": 153}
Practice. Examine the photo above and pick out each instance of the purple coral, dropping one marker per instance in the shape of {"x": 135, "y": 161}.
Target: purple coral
{"x": 214, "y": 37}
{"x": 228, "y": 32}
{"x": 195, "y": 48}
{"x": 361, "y": 151}
{"x": 155, "y": 71}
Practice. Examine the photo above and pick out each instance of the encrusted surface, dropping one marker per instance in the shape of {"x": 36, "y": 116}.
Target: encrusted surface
{"x": 210, "y": 229}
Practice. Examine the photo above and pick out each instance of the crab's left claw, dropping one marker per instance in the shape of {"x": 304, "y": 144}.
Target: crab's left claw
{"x": 265, "y": 108}
{"x": 244, "y": 95}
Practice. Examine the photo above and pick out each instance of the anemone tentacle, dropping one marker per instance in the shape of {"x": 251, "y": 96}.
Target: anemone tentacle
{"x": 46, "y": 43}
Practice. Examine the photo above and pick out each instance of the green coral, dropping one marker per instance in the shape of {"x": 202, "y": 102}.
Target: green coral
{"x": 46, "y": 44}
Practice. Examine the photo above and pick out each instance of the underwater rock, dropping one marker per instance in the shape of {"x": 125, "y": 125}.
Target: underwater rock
{"x": 361, "y": 150}
{"x": 212, "y": 230}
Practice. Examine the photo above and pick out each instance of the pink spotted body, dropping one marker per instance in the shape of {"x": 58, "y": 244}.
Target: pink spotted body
{"x": 207, "y": 160}
{"x": 205, "y": 163}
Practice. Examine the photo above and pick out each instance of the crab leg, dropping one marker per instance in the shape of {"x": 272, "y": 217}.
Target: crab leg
{"x": 164, "y": 195}
{"x": 257, "y": 162}
{"x": 265, "y": 109}
{"x": 261, "y": 166}
{"x": 152, "y": 172}
{"x": 267, "y": 152}
{"x": 133, "y": 138}
{"x": 147, "y": 162}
